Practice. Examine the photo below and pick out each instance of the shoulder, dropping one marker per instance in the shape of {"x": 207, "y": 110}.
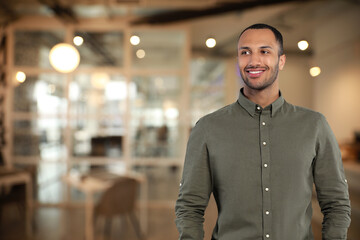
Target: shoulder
{"x": 303, "y": 112}
{"x": 218, "y": 116}
{"x": 308, "y": 118}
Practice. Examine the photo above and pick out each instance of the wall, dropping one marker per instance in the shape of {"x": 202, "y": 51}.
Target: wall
{"x": 296, "y": 84}
{"x": 337, "y": 88}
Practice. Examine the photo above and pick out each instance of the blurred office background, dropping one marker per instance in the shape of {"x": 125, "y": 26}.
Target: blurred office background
{"x": 144, "y": 78}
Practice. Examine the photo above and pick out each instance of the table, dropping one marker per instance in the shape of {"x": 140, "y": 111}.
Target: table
{"x": 9, "y": 177}
{"x": 99, "y": 182}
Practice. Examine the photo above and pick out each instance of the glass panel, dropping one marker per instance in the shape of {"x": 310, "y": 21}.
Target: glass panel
{"x": 98, "y": 94}
{"x": 48, "y": 186}
{"x": 51, "y": 188}
{"x": 207, "y": 87}
{"x": 42, "y": 94}
{"x": 98, "y": 137}
{"x": 207, "y": 72}
{"x": 39, "y": 137}
{"x": 159, "y": 49}
{"x": 155, "y": 116}
{"x": 32, "y": 47}
{"x": 78, "y": 170}
{"x": 101, "y": 49}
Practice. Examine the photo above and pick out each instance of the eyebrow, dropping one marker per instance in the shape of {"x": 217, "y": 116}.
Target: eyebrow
{"x": 248, "y": 48}
{"x": 266, "y": 47}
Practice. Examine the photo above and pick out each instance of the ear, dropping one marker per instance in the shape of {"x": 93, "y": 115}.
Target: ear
{"x": 282, "y": 60}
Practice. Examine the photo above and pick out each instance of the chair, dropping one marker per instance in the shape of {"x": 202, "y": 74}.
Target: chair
{"x": 15, "y": 196}
{"x": 119, "y": 200}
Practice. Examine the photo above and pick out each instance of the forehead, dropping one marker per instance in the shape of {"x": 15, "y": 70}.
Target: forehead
{"x": 257, "y": 37}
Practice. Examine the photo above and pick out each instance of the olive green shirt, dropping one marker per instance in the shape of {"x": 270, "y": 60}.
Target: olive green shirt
{"x": 260, "y": 164}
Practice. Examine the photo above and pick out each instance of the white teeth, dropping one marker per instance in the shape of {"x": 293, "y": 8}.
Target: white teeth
{"x": 255, "y": 72}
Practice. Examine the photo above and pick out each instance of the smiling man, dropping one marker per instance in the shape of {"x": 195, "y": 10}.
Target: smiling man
{"x": 260, "y": 157}
{"x": 260, "y": 54}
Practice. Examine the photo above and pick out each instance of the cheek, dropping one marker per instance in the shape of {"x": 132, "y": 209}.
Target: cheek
{"x": 242, "y": 63}
{"x": 272, "y": 63}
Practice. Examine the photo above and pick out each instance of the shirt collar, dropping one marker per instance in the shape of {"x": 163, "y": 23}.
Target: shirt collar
{"x": 252, "y": 107}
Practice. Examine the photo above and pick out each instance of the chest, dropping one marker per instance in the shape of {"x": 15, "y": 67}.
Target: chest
{"x": 240, "y": 150}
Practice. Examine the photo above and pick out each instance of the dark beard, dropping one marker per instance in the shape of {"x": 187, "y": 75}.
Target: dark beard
{"x": 266, "y": 84}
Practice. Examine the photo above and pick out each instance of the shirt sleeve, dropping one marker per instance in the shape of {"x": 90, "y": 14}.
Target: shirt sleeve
{"x": 195, "y": 187}
{"x": 331, "y": 185}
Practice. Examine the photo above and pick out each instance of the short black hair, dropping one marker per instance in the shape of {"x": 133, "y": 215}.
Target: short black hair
{"x": 276, "y": 32}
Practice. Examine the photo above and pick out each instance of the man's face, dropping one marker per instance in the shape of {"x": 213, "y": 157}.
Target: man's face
{"x": 258, "y": 57}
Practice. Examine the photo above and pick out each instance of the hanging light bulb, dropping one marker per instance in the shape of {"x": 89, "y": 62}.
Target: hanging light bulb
{"x": 315, "y": 71}
{"x": 210, "y": 42}
{"x": 64, "y": 57}
{"x": 20, "y": 77}
{"x": 78, "y": 41}
{"x": 303, "y": 45}
{"x": 140, "y": 53}
{"x": 134, "y": 40}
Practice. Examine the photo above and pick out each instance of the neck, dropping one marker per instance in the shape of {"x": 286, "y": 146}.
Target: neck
{"x": 262, "y": 97}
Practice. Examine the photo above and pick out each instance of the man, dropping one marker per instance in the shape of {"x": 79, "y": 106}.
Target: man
{"x": 260, "y": 157}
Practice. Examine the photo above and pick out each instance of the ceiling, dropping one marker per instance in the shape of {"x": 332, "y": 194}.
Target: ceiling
{"x": 222, "y": 19}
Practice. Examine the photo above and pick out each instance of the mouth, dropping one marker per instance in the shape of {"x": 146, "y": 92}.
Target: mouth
{"x": 254, "y": 73}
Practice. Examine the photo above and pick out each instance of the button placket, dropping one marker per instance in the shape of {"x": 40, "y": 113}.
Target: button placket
{"x": 264, "y": 121}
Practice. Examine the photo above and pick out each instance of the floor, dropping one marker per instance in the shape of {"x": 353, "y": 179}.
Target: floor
{"x": 55, "y": 223}
{"x": 49, "y": 225}
{"x": 52, "y": 223}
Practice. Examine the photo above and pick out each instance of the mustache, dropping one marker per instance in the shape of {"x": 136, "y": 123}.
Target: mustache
{"x": 256, "y": 67}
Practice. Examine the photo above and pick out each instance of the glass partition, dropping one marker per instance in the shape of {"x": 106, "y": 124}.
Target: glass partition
{"x": 106, "y": 115}
{"x": 159, "y": 50}
{"x": 43, "y": 94}
{"x": 31, "y": 48}
{"x": 98, "y": 94}
{"x": 98, "y": 107}
{"x": 96, "y": 137}
{"x": 207, "y": 87}
{"x": 50, "y": 185}
{"x": 100, "y": 49}
{"x": 41, "y": 137}
{"x": 47, "y": 183}
{"x": 155, "y": 116}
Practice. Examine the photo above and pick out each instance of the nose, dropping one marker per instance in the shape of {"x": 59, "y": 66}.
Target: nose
{"x": 255, "y": 60}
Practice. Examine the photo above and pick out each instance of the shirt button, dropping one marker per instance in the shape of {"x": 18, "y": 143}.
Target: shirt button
{"x": 267, "y": 212}
{"x": 265, "y": 165}
{"x": 264, "y": 143}
{"x": 258, "y": 108}
{"x": 266, "y": 189}
{"x": 346, "y": 180}
{"x": 180, "y": 184}
{"x": 263, "y": 123}
{"x": 267, "y": 235}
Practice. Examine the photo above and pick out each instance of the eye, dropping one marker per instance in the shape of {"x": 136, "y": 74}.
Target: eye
{"x": 245, "y": 52}
{"x": 265, "y": 51}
